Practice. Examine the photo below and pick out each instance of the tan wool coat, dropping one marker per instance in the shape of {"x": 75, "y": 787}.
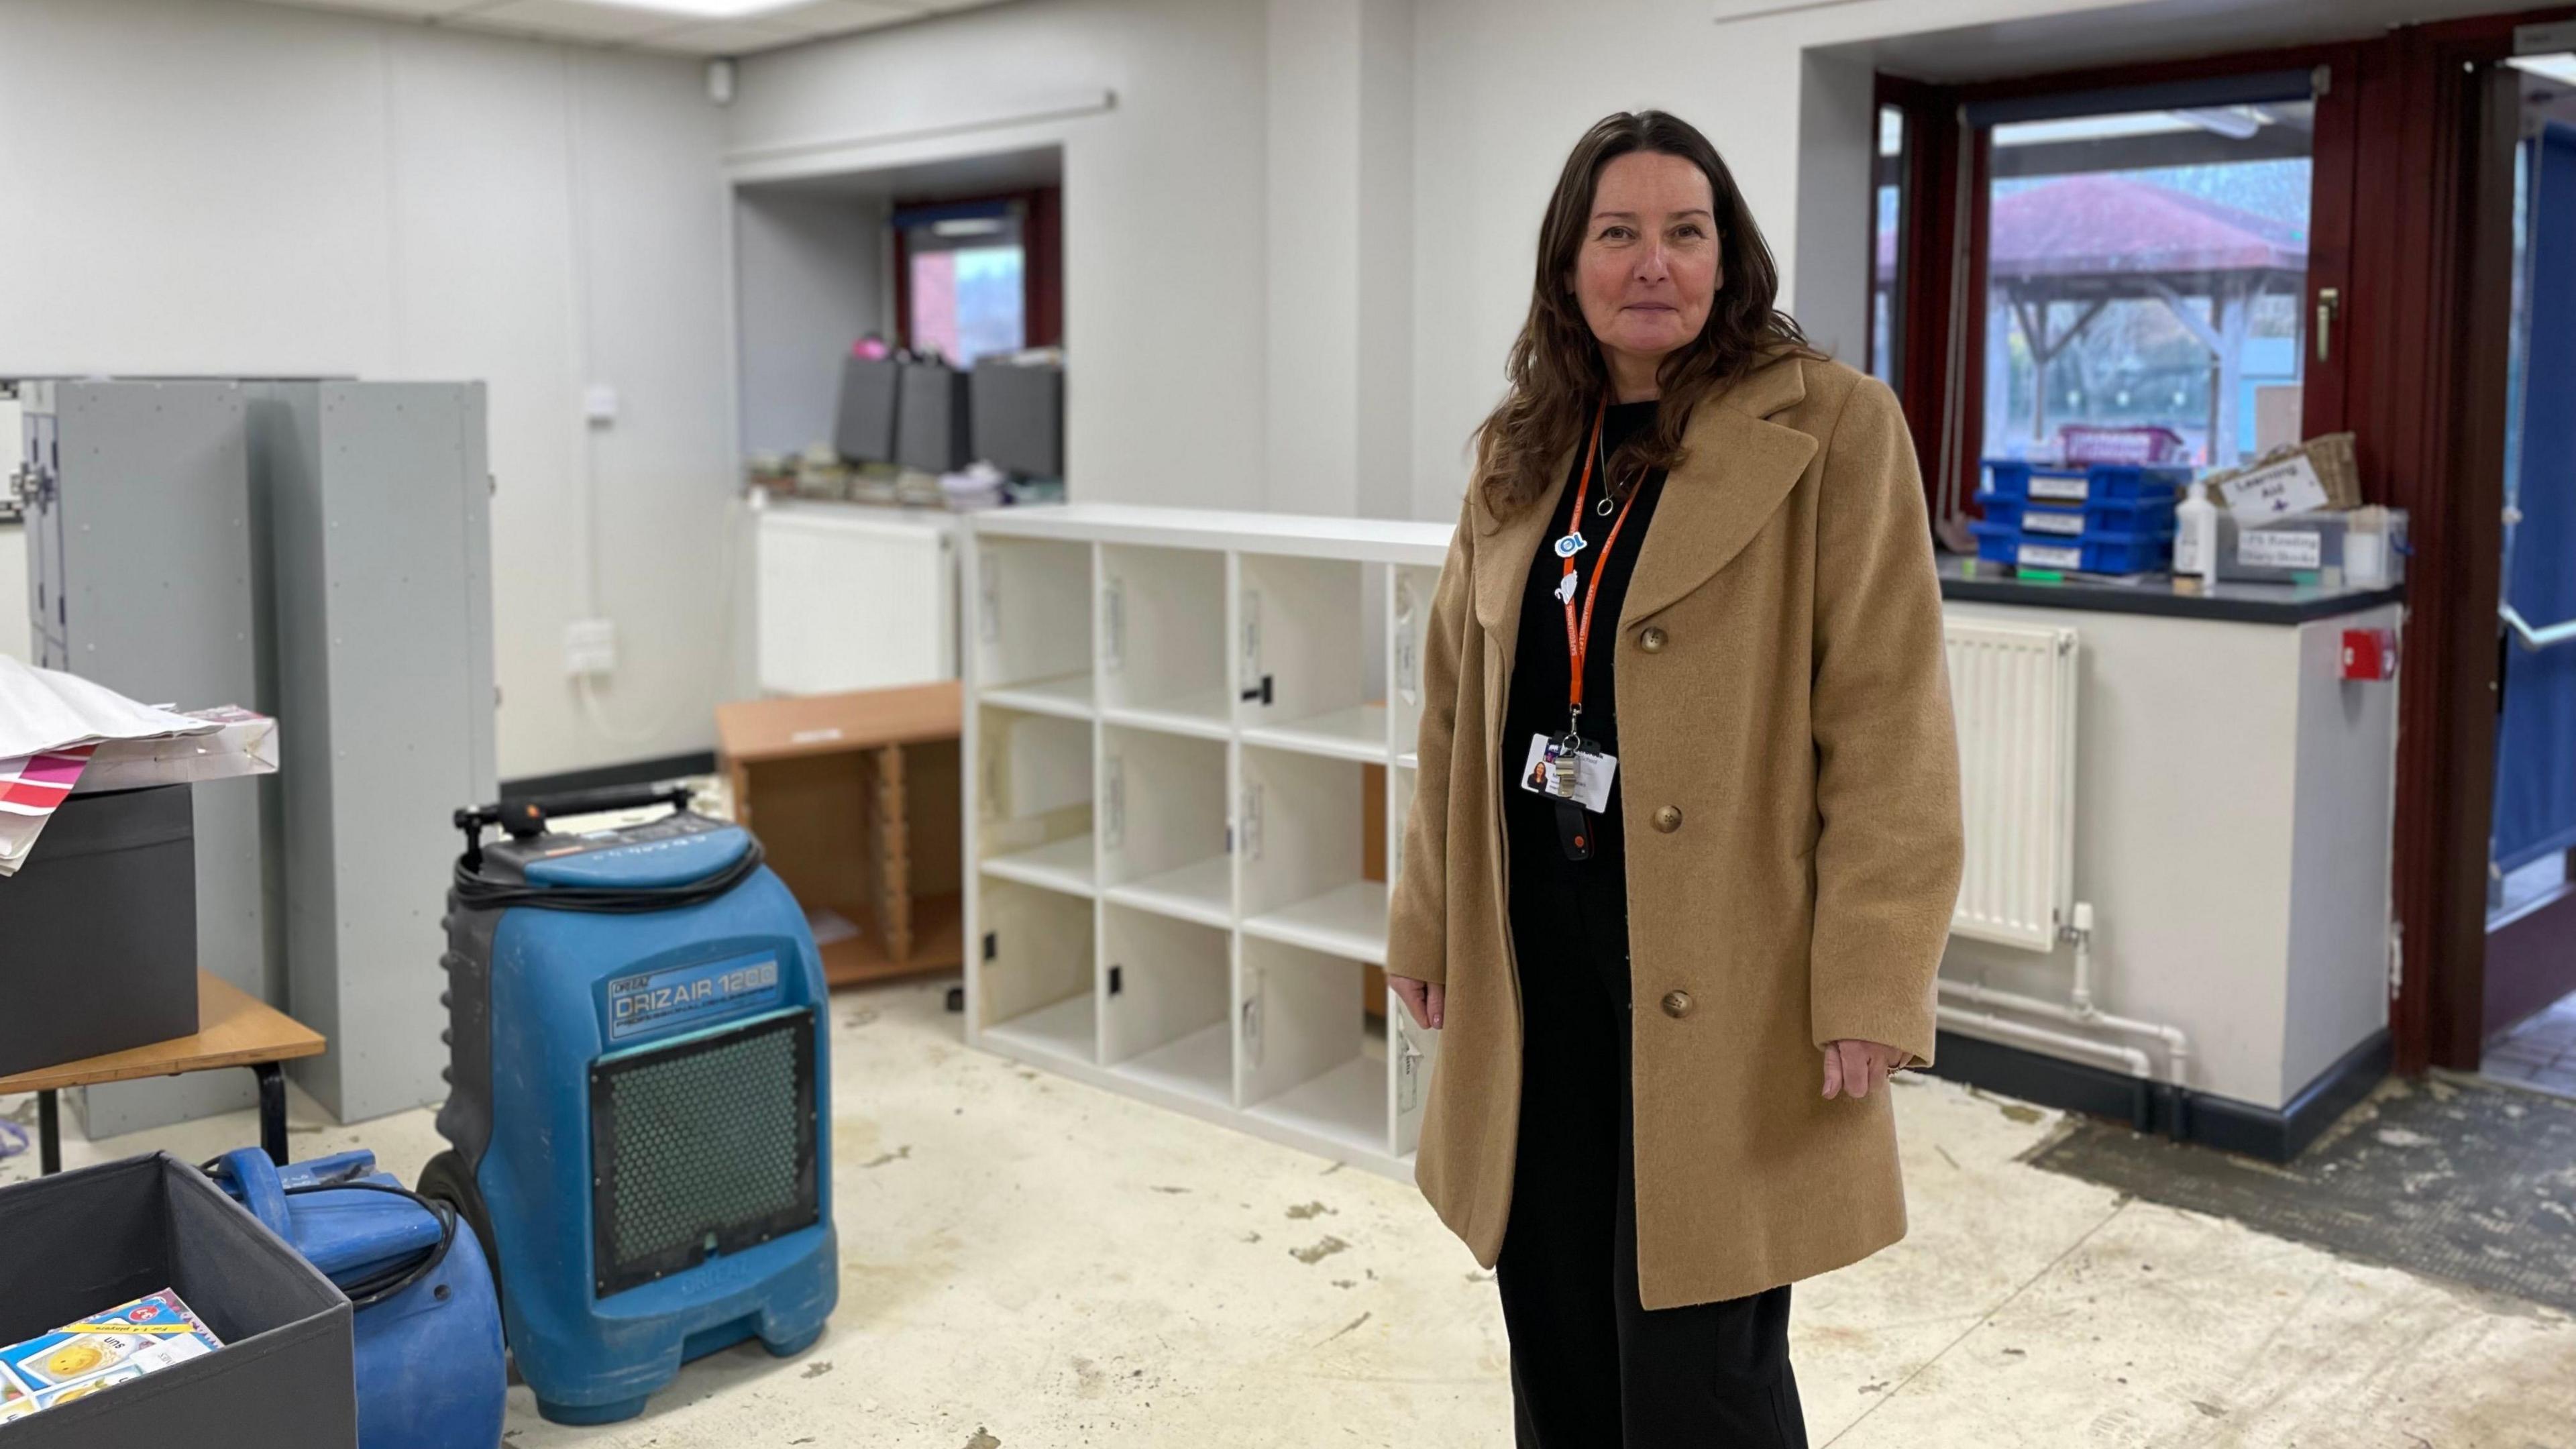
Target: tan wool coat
{"x": 1789, "y": 783}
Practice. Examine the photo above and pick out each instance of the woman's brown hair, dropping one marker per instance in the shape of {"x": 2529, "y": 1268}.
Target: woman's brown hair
{"x": 1556, "y": 370}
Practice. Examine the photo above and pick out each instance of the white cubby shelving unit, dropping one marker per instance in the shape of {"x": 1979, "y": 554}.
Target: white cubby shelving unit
{"x": 1193, "y": 742}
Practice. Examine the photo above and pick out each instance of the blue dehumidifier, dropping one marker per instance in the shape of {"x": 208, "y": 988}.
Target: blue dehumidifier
{"x": 429, "y": 1365}
{"x": 639, "y": 1061}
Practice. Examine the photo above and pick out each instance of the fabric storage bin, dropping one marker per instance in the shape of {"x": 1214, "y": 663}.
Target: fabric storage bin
{"x": 2088, "y": 483}
{"x": 83, "y": 1242}
{"x": 107, "y": 900}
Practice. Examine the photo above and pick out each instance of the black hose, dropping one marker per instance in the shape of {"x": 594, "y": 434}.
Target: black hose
{"x": 475, "y": 893}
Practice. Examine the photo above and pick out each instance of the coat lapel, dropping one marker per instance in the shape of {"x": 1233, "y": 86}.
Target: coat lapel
{"x": 1739, "y": 468}
{"x": 1504, "y": 549}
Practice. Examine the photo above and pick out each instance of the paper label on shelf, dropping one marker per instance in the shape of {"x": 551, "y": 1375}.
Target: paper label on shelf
{"x": 2050, "y": 556}
{"x": 2281, "y": 548}
{"x": 1248, "y": 675}
{"x": 1113, "y": 625}
{"x": 2070, "y": 524}
{"x": 988, "y": 584}
{"x": 2283, "y": 488}
{"x": 1408, "y": 646}
{"x": 2066, "y": 490}
{"x": 1113, "y": 802}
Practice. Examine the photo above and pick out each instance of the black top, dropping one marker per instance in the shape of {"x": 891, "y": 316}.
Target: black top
{"x": 1586, "y": 896}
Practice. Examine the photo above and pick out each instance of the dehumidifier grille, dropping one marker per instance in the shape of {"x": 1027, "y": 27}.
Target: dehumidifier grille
{"x": 702, "y": 1147}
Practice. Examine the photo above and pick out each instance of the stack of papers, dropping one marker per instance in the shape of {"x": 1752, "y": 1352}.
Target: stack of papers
{"x": 61, "y": 734}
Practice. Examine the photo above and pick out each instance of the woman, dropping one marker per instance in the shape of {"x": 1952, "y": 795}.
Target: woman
{"x": 1686, "y": 738}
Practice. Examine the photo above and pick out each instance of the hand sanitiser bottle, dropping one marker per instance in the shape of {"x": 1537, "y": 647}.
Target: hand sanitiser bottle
{"x": 2196, "y": 536}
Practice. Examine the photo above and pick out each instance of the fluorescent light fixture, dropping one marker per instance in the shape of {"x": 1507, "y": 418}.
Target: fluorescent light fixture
{"x": 2236, "y": 123}
{"x": 966, "y": 226}
{"x": 2560, "y": 67}
{"x": 706, "y": 9}
{"x": 2089, "y": 128}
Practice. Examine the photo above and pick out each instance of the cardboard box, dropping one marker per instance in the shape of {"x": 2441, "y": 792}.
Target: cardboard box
{"x": 98, "y": 932}
{"x": 79, "y": 1242}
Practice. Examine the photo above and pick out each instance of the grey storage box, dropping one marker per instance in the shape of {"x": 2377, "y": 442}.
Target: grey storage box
{"x": 78, "y": 1243}
{"x": 102, "y": 930}
{"x": 930, "y": 431}
{"x": 2277, "y": 553}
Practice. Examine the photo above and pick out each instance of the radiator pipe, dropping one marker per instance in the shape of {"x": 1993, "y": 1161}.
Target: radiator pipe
{"x": 2131, "y": 1057}
{"x": 2080, "y": 1010}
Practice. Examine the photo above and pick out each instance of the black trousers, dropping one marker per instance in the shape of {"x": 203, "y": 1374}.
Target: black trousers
{"x": 1592, "y": 1368}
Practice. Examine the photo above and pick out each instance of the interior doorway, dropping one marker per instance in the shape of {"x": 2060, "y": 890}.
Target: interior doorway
{"x": 2529, "y": 1020}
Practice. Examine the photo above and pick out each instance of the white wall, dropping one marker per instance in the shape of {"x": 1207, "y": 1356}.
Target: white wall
{"x": 795, "y": 311}
{"x": 213, "y": 187}
{"x": 1165, "y": 259}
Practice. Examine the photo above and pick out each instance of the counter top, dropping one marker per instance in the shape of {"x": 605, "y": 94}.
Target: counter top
{"x": 1966, "y": 580}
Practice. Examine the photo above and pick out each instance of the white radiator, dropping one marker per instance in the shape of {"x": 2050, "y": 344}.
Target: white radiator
{"x": 851, "y": 598}
{"x": 2013, "y": 687}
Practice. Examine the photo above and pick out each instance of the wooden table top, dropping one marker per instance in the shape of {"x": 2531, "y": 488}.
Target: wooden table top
{"x": 233, "y": 1030}
{"x": 753, "y": 730}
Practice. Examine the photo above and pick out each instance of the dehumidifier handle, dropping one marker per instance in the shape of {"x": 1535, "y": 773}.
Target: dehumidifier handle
{"x": 255, "y": 1182}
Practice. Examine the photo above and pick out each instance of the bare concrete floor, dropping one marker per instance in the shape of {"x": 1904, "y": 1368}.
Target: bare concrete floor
{"x": 1028, "y": 1263}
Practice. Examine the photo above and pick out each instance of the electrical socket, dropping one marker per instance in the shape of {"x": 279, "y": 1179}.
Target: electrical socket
{"x": 590, "y": 647}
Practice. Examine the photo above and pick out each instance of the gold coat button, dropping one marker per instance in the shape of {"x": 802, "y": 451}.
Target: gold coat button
{"x": 1652, "y": 641}
{"x": 1677, "y": 1004}
{"x": 1668, "y": 819}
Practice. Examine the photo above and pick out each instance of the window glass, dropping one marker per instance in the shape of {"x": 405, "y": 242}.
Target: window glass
{"x": 2146, "y": 279}
{"x": 967, "y": 285}
{"x": 1886, "y": 319}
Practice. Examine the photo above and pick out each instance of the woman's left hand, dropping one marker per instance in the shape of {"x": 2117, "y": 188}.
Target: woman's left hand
{"x": 1854, "y": 1066}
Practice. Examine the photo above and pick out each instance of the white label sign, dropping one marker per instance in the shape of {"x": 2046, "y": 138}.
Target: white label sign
{"x": 2287, "y": 487}
{"x": 2050, "y": 556}
{"x": 2068, "y": 490}
{"x": 2281, "y": 548}
{"x": 2068, "y": 524}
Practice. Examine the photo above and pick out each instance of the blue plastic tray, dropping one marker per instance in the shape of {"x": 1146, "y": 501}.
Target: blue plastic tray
{"x": 2154, "y": 514}
{"x": 2086, "y": 483}
{"x": 2097, "y": 553}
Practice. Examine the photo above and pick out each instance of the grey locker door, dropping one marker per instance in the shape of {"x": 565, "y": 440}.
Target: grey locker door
{"x": 153, "y": 597}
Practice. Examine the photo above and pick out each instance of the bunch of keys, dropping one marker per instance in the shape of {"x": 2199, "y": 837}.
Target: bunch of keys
{"x": 1562, "y": 762}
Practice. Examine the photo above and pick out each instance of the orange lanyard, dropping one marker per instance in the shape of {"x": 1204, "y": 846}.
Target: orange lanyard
{"x": 1578, "y": 638}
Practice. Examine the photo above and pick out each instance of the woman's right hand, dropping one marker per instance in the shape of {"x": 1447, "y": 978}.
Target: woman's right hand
{"x": 1423, "y": 998}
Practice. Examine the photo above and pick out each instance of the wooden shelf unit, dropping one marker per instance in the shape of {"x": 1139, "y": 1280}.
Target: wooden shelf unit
{"x": 852, "y": 796}
{"x": 1184, "y": 812}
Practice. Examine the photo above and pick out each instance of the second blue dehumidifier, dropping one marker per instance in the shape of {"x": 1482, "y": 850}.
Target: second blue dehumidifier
{"x": 639, "y": 1072}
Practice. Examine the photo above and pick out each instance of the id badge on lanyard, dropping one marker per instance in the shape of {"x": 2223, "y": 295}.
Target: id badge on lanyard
{"x": 1568, "y": 768}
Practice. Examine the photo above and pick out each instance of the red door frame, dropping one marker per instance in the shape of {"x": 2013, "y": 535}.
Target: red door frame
{"x": 2432, "y": 253}
{"x": 2420, "y": 261}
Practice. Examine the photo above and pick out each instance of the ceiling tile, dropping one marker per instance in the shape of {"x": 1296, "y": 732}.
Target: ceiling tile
{"x": 417, "y": 9}
{"x": 719, "y": 40}
{"x": 833, "y": 17}
{"x": 571, "y": 19}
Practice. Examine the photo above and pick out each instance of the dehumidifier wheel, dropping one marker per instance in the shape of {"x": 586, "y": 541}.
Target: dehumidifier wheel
{"x": 446, "y": 1179}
